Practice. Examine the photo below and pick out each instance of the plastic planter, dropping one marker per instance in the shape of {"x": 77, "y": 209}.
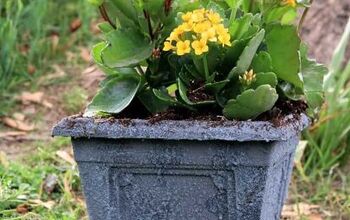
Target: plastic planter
{"x": 134, "y": 169}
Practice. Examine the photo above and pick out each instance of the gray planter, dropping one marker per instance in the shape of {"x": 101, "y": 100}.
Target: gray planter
{"x": 179, "y": 170}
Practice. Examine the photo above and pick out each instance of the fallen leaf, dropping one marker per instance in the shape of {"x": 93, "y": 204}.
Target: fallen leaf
{"x": 23, "y": 208}
{"x": 66, "y": 157}
{"x": 75, "y": 25}
{"x": 36, "y": 97}
{"x": 18, "y": 116}
{"x": 315, "y": 217}
{"x": 50, "y": 183}
{"x": 31, "y": 69}
{"x": 12, "y": 134}
{"x": 19, "y": 125}
{"x": 48, "y": 204}
{"x": 3, "y": 159}
{"x": 294, "y": 211}
{"x": 85, "y": 54}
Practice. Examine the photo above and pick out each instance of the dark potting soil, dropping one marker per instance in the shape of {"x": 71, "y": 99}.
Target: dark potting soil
{"x": 276, "y": 115}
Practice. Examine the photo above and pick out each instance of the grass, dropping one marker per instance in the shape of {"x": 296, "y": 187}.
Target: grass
{"x": 329, "y": 138}
{"x": 34, "y": 34}
{"x": 21, "y": 185}
{"x": 74, "y": 100}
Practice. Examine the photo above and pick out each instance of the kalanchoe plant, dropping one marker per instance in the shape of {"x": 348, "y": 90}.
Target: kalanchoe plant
{"x": 240, "y": 56}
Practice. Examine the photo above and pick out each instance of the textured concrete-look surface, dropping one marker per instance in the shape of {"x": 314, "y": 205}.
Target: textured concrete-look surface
{"x": 180, "y": 130}
{"x": 242, "y": 175}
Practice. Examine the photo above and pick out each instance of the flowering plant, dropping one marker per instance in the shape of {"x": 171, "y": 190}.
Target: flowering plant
{"x": 238, "y": 56}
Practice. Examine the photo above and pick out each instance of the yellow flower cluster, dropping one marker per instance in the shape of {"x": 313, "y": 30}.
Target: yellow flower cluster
{"x": 289, "y": 2}
{"x": 198, "y": 28}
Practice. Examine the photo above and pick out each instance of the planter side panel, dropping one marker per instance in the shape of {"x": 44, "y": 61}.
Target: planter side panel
{"x": 159, "y": 179}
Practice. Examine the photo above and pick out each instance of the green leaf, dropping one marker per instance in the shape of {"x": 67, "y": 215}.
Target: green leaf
{"x": 262, "y": 62}
{"x": 163, "y": 95}
{"x": 247, "y": 55}
{"x": 96, "y": 55}
{"x": 251, "y": 103}
{"x": 240, "y": 26}
{"x": 127, "y": 8}
{"x": 105, "y": 27}
{"x": 153, "y": 7}
{"x": 283, "y": 45}
{"x": 313, "y": 74}
{"x": 289, "y": 17}
{"x": 96, "y": 2}
{"x": 115, "y": 96}
{"x": 152, "y": 102}
{"x": 276, "y": 14}
{"x": 269, "y": 78}
{"x": 126, "y": 47}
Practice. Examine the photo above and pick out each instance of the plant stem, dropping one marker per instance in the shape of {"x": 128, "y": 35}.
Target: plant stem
{"x": 206, "y": 69}
{"x": 303, "y": 16}
{"x": 150, "y": 30}
{"x": 105, "y": 16}
{"x": 234, "y": 11}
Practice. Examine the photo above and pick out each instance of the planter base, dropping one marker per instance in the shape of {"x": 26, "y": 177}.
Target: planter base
{"x": 157, "y": 179}
{"x": 180, "y": 170}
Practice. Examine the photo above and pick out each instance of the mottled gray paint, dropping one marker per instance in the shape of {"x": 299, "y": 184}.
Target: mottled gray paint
{"x": 175, "y": 170}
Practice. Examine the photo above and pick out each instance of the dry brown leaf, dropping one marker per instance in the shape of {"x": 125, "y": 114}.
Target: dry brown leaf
{"x": 48, "y": 204}
{"x": 36, "y": 97}
{"x": 315, "y": 217}
{"x": 295, "y": 211}
{"x": 12, "y": 134}
{"x": 75, "y": 25}
{"x": 85, "y": 54}
{"x": 66, "y": 157}
{"x": 31, "y": 69}
{"x": 19, "y": 125}
{"x": 22, "y": 209}
{"x": 18, "y": 116}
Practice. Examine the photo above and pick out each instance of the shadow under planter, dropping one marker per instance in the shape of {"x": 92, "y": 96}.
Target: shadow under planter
{"x": 172, "y": 170}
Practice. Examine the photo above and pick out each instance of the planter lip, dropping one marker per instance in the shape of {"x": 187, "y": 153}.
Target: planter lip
{"x": 84, "y": 127}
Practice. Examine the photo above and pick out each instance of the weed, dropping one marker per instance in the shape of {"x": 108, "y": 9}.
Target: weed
{"x": 74, "y": 100}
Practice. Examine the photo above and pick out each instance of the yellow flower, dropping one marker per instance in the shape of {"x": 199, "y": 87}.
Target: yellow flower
{"x": 225, "y": 39}
{"x": 186, "y": 17}
{"x": 173, "y": 37}
{"x": 168, "y": 46}
{"x": 187, "y": 26}
{"x": 179, "y": 30}
{"x": 198, "y": 15}
{"x": 183, "y": 47}
{"x": 214, "y": 17}
{"x": 200, "y": 46}
{"x": 201, "y": 27}
{"x": 220, "y": 29}
{"x": 289, "y": 2}
{"x": 210, "y": 35}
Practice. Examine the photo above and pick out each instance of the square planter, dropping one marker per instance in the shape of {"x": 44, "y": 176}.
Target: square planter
{"x": 171, "y": 170}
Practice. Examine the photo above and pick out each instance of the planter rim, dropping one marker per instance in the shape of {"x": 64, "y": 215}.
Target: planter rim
{"x": 84, "y": 127}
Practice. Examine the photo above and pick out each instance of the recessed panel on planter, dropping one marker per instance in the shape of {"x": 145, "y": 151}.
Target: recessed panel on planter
{"x": 145, "y": 193}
